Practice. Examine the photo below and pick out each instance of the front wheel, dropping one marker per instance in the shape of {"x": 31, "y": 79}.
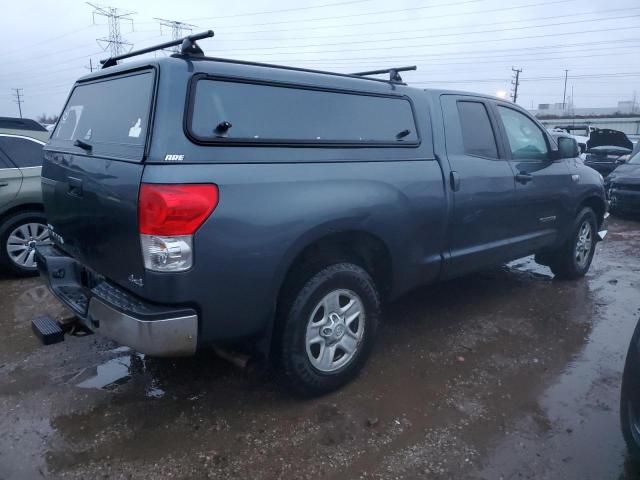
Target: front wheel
{"x": 574, "y": 258}
{"x": 329, "y": 329}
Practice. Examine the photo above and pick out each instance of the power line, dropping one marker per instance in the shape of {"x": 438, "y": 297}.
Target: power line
{"x": 18, "y": 99}
{"x": 47, "y": 40}
{"x": 362, "y": 14}
{"x": 386, "y": 21}
{"x": 114, "y": 43}
{"x": 529, "y": 79}
{"x": 457, "y": 34}
{"x": 474, "y": 53}
{"x": 503, "y": 40}
{"x": 296, "y": 9}
{"x": 386, "y": 33}
{"x": 332, "y": 66}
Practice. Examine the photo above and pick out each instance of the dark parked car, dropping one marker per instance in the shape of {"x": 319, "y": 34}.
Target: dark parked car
{"x": 623, "y": 186}
{"x": 196, "y": 201}
{"x": 630, "y": 396}
{"x": 22, "y": 221}
{"x": 606, "y": 149}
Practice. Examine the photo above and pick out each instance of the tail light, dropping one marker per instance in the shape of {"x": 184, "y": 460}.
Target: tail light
{"x": 168, "y": 216}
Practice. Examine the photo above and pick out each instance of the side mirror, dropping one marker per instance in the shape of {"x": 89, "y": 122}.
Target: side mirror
{"x": 568, "y": 148}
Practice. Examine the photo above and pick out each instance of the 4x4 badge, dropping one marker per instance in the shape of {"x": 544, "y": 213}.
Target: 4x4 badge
{"x": 136, "y": 280}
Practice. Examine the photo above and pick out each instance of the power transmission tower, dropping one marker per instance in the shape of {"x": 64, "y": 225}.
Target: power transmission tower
{"x": 516, "y": 83}
{"x": 178, "y": 29}
{"x": 19, "y": 99}
{"x": 564, "y": 94}
{"x": 114, "y": 43}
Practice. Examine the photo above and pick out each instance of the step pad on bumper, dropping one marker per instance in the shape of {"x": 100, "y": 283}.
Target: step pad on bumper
{"x": 47, "y": 330}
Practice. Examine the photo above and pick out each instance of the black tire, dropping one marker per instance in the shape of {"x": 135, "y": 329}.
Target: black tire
{"x": 630, "y": 398}
{"x": 563, "y": 263}
{"x": 298, "y": 372}
{"x": 8, "y": 226}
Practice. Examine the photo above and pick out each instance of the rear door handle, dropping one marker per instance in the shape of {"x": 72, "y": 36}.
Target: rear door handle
{"x": 524, "y": 178}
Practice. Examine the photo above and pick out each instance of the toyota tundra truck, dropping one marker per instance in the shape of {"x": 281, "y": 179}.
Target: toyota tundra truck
{"x": 196, "y": 201}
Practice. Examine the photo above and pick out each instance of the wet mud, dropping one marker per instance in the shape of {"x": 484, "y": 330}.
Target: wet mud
{"x": 502, "y": 374}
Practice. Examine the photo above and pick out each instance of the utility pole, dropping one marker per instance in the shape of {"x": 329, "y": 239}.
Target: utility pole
{"x": 114, "y": 43}
{"x": 178, "y": 29}
{"x": 19, "y": 99}
{"x": 516, "y": 83}
{"x": 90, "y": 67}
{"x": 564, "y": 94}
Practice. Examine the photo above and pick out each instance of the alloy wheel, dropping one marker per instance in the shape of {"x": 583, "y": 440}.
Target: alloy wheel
{"x": 335, "y": 330}
{"x": 584, "y": 244}
{"x": 22, "y": 242}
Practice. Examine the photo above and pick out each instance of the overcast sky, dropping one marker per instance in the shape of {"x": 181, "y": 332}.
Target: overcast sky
{"x": 461, "y": 44}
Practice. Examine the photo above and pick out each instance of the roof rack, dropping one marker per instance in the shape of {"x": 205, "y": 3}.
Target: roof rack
{"x": 394, "y": 76}
{"x": 188, "y": 47}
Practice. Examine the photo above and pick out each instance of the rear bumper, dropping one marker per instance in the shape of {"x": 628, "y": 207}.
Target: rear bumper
{"x": 156, "y": 330}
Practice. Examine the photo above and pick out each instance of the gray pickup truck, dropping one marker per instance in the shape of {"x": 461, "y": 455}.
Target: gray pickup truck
{"x": 197, "y": 201}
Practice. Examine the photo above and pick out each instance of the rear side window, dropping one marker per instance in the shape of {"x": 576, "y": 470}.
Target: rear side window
{"x": 111, "y": 115}
{"x": 22, "y": 152}
{"x": 477, "y": 133}
{"x": 248, "y": 112}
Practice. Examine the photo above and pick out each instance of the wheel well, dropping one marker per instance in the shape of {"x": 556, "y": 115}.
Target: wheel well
{"x": 25, "y": 207}
{"x": 597, "y": 205}
{"x": 363, "y": 249}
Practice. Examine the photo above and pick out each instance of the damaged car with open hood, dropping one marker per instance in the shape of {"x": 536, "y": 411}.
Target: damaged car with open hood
{"x": 607, "y": 149}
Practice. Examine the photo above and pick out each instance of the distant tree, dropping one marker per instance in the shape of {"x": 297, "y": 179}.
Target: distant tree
{"x": 44, "y": 118}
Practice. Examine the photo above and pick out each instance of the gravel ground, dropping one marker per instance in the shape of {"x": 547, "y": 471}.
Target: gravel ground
{"x": 506, "y": 374}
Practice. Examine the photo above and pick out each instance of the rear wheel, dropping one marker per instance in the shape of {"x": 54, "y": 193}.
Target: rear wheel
{"x": 574, "y": 258}
{"x": 19, "y": 235}
{"x": 328, "y": 329}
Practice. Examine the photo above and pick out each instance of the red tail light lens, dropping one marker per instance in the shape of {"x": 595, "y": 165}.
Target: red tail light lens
{"x": 175, "y": 209}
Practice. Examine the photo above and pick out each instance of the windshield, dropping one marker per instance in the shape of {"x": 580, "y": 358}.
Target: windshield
{"x": 108, "y": 117}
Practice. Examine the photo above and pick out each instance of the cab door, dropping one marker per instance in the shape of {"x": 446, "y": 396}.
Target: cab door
{"x": 481, "y": 183}
{"x": 543, "y": 185}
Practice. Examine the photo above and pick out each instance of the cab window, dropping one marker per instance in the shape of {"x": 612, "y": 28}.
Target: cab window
{"x": 526, "y": 140}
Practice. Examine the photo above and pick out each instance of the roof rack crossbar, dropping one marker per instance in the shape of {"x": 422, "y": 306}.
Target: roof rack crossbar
{"x": 394, "y": 76}
{"x": 188, "y": 47}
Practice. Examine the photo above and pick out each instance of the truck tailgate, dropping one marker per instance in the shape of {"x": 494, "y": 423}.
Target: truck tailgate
{"x": 92, "y": 169}
{"x": 91, "y": 207}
